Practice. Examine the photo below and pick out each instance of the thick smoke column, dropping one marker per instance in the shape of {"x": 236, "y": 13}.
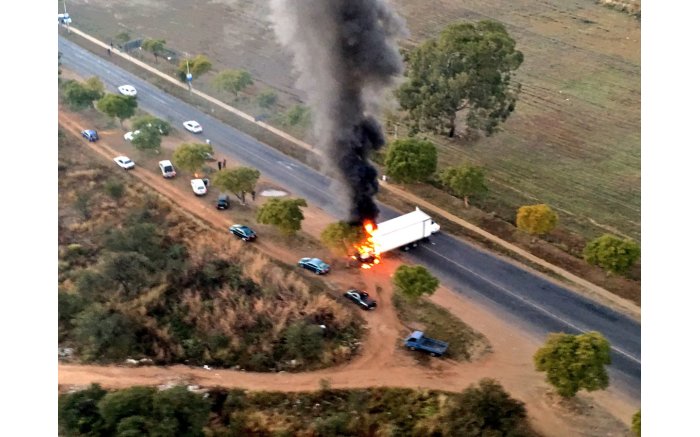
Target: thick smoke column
{"x": 346, "y": 53}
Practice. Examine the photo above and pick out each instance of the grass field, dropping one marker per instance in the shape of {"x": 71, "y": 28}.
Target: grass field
{"x": 573, "y": 141}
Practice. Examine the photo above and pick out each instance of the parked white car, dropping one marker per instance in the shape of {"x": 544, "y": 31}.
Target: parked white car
{"x": 167, "y": 169}
{"x": 192, "y": 126}
{"x": 124, "y": 162}
{"x": 127, "y": 90}
{"x": 198, "y": 186}
{"x": 130, "y": 135}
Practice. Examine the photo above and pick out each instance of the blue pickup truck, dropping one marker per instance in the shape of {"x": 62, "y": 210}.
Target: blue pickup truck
{"x": 418, "y": 341}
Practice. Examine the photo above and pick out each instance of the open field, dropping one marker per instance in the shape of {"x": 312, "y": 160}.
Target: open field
{"x": 573, "y": 142}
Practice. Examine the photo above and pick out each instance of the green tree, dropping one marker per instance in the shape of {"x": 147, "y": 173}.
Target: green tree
{"x": 148, "y": 140}
{"x": 191, "y": 156}
{"x": 486, "y": 409}
{"x": 637, "y": 423}
{"x": 612, "y": 253}
{"x": 464, "y": 181}
{"x": 118, "y": 106}
{"x": 123, "y": 404}
{"x": 146, "y": 121}
{"x": 78, "y": 413}
{"x": 297, "y": 115}
{"x": 340, "y": 237}
{"x": 233, "y": 81}
{"x": 155, "y": 46}
{"x": 79, "y": 96}
{"x": 411, "y": 160}
{"x": 574, "y": 362}
{"x": 95, "y": 85}
{"x": 266, "y": 99}
{"x": 414, "y": 281}
{"x": 304, "y": 340}
{"x": 104, "y": 334}
{"x": 468, "y": 67}
{"x": 285, "y": 214}
{"x": 179, "y": 412}
{"x": 199, "y": 65}
{"x": 239, "y": 181}
{"x": 536, "y": 219}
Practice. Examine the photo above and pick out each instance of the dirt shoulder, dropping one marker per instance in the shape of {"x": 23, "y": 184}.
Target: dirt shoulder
{"x": 380, "y": 362}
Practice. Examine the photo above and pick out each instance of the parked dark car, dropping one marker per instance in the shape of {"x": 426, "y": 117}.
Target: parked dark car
{"x": 361, "y": 298}
{"x": 90, "y": 134}
{"x": 315, "y": 265}
{"x": 222, "y": 202}
{"x": 243, "y": 232}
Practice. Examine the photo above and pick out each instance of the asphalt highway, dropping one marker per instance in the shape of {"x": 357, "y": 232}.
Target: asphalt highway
{"x": 524, "y": 298}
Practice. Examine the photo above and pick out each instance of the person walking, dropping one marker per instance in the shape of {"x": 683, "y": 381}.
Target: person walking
{"x": 109, "y": 52}
{"x": 219, "y": 162}
{"x": 252, "y": 194}
{"x": 224, "y": 163}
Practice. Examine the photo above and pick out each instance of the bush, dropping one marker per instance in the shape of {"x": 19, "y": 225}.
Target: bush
{"x": 487, "y": 410}
{"x": 536, "y": 219}
{"x": 612, "y": 253}
{"x": 304, "y": 340}
{"x": 266, "y": 99}
{"x": 415, "y": 281}
{"x": 115, "y": 189}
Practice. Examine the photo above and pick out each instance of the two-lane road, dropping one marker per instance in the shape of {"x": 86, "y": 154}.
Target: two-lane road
{"x": 524, "y": 298}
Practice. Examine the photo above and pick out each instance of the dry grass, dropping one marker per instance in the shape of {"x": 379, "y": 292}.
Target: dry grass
{"x": 227, "y": 313}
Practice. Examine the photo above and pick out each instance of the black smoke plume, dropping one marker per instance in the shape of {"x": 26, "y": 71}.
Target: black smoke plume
{"x": 347, "y": 57}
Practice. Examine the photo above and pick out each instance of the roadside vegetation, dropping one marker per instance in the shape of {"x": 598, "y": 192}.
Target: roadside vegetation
{"x": 483, "y": 409}
{"x": 478, "y": 105}
{"x": 138, "y": 280}
{"x": 466, "y": 344}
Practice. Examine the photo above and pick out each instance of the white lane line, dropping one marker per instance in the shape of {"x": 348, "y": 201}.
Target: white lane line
{"x": 528, "y": 302}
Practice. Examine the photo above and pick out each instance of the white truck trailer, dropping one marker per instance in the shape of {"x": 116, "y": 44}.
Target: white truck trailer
{"x": 404, "y": 231}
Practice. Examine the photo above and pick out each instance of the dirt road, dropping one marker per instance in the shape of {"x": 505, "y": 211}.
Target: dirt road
{"x": 380, "y": 362}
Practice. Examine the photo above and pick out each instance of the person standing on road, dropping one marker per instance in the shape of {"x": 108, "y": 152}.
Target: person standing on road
{"x": 219, "y": 163}
{"x": 208, "y": 142}
{"x": 109, "y": 52}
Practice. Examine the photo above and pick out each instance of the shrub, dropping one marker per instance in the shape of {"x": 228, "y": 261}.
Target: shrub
{"x": 304, "y": 340}
{"x": 115, "y": 189}
{"x": 536, "y": 219}
{"x": 612, "y": 253}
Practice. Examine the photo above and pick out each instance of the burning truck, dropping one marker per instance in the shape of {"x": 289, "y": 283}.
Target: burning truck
{"x": 404, "y": 231}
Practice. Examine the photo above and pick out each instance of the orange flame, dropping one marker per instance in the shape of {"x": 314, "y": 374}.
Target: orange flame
{"x": 366, "y": 252}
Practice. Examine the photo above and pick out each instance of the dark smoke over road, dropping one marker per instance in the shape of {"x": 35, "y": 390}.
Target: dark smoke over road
{"x": 347, "y": 57}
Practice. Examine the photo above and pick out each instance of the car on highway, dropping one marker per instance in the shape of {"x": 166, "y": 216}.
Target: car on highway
{"x": 90, "y": 134}
{"x": 124, "y": 162}
{"x": 243, "y": 232}
{"x": 223, "y": 202}
{"x": 315, "y": 265}
{"x": 361, "y": 298}
{"x": 192, "y": 126}
{"x": 166, "y": 168}
{"x": 199, "y": 187}
{"x": 131, "y": 134}
{"x": 127, "y": 90}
